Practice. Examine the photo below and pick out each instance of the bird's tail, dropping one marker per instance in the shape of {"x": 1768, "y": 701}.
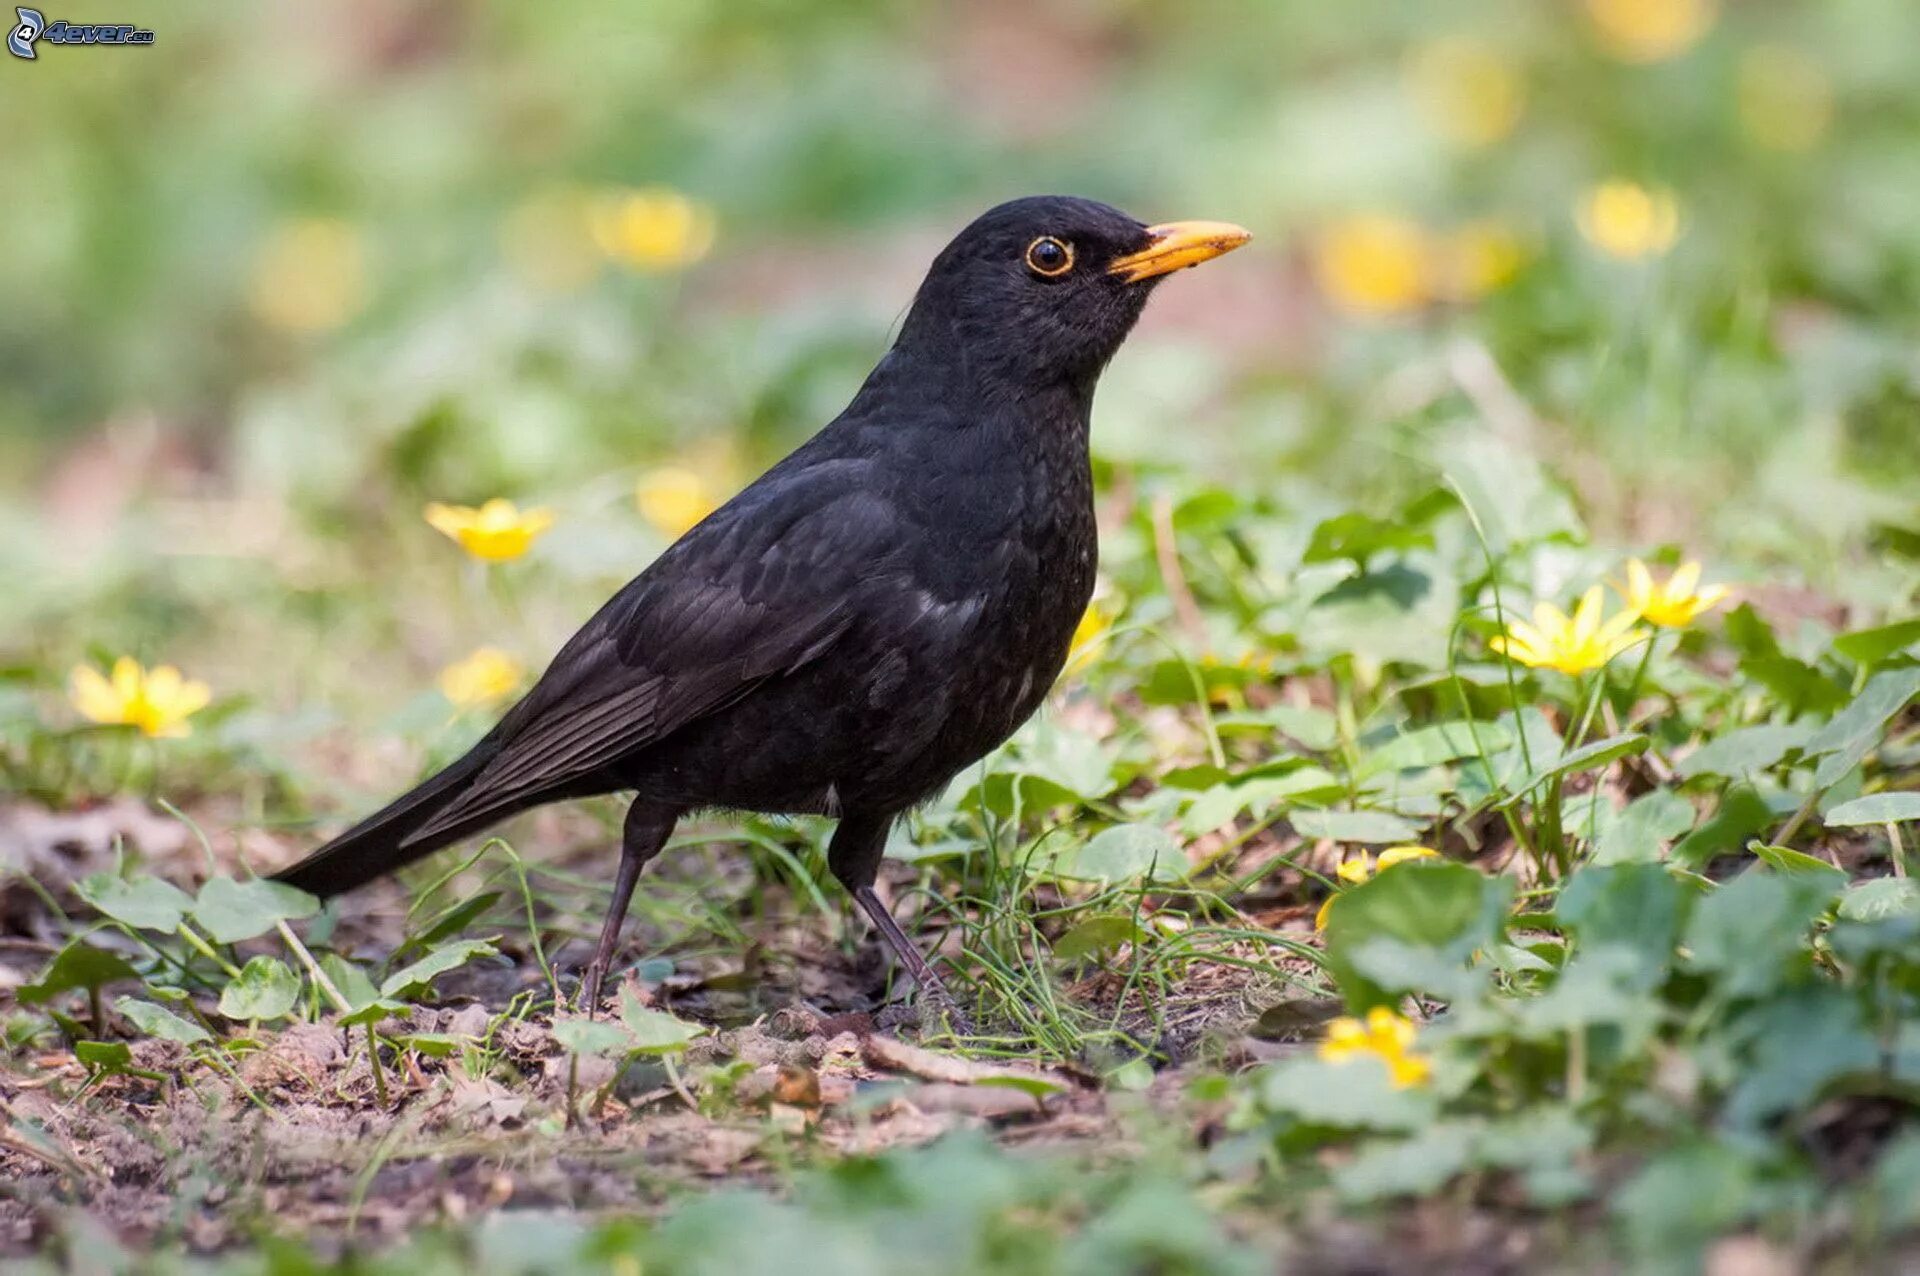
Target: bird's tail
{"x": 383, "y": 842}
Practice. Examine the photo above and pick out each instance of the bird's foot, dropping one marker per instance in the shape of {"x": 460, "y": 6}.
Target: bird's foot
{"x": 938, "y": 1010}
{"x": 587, "y": 1000}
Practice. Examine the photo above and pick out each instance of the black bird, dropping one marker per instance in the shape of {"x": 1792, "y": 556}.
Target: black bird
{"x": 876, "y": 612}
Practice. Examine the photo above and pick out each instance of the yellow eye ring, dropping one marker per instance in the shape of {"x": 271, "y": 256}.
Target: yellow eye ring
{"x": 1049, "y": 257}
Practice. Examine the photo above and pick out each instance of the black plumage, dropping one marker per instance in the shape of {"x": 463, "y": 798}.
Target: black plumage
{"x": 873, "y": 614}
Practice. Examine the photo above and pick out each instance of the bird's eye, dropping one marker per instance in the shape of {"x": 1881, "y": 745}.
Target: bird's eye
{"x": 1048, "y": 257}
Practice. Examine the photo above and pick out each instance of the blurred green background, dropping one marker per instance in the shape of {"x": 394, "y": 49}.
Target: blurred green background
{"x": 278, "y": 281}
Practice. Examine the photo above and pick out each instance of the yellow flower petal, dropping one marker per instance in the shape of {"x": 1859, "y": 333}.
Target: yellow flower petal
{"x": 496, "y": 532}
{"x": 1639, "y": 584}
{"x": 1401, "y": 854}
{"x": 1374, "y": 265}
{"x": 1627, "y": 220}
{"x": 673, "y": 499}
{"x": 1650, "y": 30}
{"x": 1355, "y": 869}
{"x": 94, "y": 696}
{"x": 1586, "y": 617}
{"x": 486, "y": 677}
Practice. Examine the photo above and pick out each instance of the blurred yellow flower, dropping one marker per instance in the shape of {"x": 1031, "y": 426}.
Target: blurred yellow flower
{"x": 158, "y": 701}
{"x": 1577, "y": 644}
{"x": 309, "y": 275}
{"x": 652, "y": 229}
{"x": 496, "y": 532}
{"x": 1374, "y": 265}
{"x": 673, "y": 499}
{"x": 1675, "y": 604}
{"x": 1356, "y": 869}
{"x": 1480, "y": 257}
{"x": 486, "y": 677}
{"x": 1087, "y": 637}
{"x": 1385, "y": 1036}
{"x": 1786, "y": 100}
{"x": 548, "y": 239}
{"x": 1625, "y": 219}
{"x": 1470, "y": 92}
{"x": 1650, "y": 30}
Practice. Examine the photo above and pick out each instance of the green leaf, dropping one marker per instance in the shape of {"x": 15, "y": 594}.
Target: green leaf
{"x": 1881, "y": 898}
{"x": 1875, "y": 808}
{"x": 349, "y": 981}
{"x": 78, "y": 966}
{"x": 1366, "y": 827}
{"x": 106, "y": 1057}
{"x": 1752, "y": 931}
{"x": 1797, "y": 685}
{"x": 1686, "y": 1197}
{"x": 265, "y": 989}
{"x": 1639, "y": 907}
{"x": 417, "y": 977}
{"x": 435, "y": 1045}
{"x": 1414, "y": 929}
{"x": 230, "y": 911}
{"x": 1606, "y": 985}
{"x": 1788, "y": 860}
{"x": 1096, "y": 935}
{"x": 158, "y": 1021}
{"x": 453, "y": 922}
{"x": 1419, "y": 1165}
{"x": 1357, "y": 1094}
{"x": 1802, "y": 1042}
{"x": 1585, "y": 758}
{"x": 1741, "y": 814}
{"x": 145, "y": 903}
{"x": 1856, "y": 729}
{"x": 1871, "y": 646}
{"x": 1123, "y": 853}
{"x": 373, "y": 1012}
{"x": 1639, "y": 831}
{"x": 1434, "y": 745}
{"x": 1743, "y": 751}
{"x": 653, "y": 1031}
{"x": 1036, "y": 1087}
{"x": 589, "y": 1036}
{"x": 1358, "y": 537}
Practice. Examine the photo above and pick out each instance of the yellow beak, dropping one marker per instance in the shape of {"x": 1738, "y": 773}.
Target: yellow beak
{"x": 1177, "y": 245}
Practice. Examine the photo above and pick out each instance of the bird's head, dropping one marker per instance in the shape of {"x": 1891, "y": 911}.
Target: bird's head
{"x": 1046, "y": 288}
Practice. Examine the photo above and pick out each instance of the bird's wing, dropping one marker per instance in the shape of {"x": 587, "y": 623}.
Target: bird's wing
{"x": 760, "y": 589}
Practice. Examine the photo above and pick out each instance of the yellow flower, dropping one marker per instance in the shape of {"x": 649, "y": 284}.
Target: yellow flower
{"x": 1356, "y": 869}
{"x": 673, "y": 499}
{"x": 548, "y": 239}
{"x": 309, "y": 275}
{"x": 1480, "y": 257}
{"x": 1786, "y": 101}
{"x": 1650, "y": 30}
{"x": 158, "y": 701}
{"x": 652, "y": 229}
{"x": 1572, "y": 645}
{"x": 1374, "y": 265}
{"x": 1625, "y": 219}
{"x": 1675, "y": 604}
{"x": 1471, "y": 93}
{"x": 1087, "y": 637}
{"x": 1384, "y": 1035}
{"x": 486, "y": 677}
{"x": 496, "y": 532}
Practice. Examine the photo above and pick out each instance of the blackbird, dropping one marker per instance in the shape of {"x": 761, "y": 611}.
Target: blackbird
{"x": 873, "y": 614}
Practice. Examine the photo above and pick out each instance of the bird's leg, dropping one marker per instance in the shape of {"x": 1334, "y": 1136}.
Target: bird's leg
{"x": 644, "y": 833}
{"x": 854, "y": 856}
